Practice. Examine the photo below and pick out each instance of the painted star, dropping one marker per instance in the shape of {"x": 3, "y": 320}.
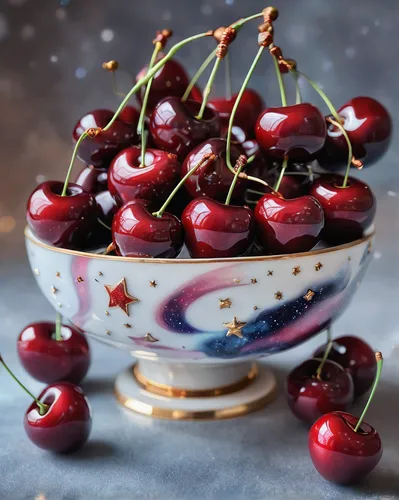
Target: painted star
{"x": 296, "y": 270}
{"x": 234, "y": 328}
{"x": 153, "y": 283}
{"x": 149, "y": 338}
{"x": 318, "y": 266}
{"x": 225, "y": 303}
{"x": 119, "y": 296}
{"x": 309, "y": 296}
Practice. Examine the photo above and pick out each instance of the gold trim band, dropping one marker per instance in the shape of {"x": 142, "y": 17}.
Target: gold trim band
{"x": 175, "y": 392}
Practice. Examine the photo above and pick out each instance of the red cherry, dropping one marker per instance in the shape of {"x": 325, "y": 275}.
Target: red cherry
{"x": 130, "y": 115}
{"x": 173, "y": 125}
{"x": 214, "y": 230}
{"x": 138, "y": 233}
{"x": 369, "y": 127}
{"x": 62, "y": 221}
{"x": 100, "y": 150}
{"x": 128, "y": 180}
{"x": 356, "y": 357}
{"x": 338, "y": 452}
{"x": 106, "y": 210}
{"x": 66, "y": 425}
{"x": 212, "y": 179}
{"x": 50, "y": 360}
{"x": 298, "y": 132}
{"x": 310, "y": 397}
{"x": 196, "y": 94}
{"x": 288, "y": 226}
{"x": 93, "y": 180}
{"x": 348, "y": 211}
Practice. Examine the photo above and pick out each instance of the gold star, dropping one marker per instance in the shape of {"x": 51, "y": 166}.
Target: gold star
{"x": 269, "y": 273}
{"x": 254, "y": 280}
{"x": 54, "y": 289}
{"x": 149, "y": 338}
{"x": 234, "y": 328}
{"x": 296, "y": 270}
{"x": 100, "y": 273}
{"x": 119, "y": 296}
{"x": 225, "y": 303}
{"x": 127, "y": 325}
{"x": 309, "y": 296}
{"x": 58, "y": 274}
{"x": 108, "y": 332}
{"x": 318, "y": 266}
{"x": 79, "y": 279}
{"x": 278, "y": 295}
{"x": 106, "y": 313}
{"x": 153, "y": 283}
{"x": 36, "y": 271}
{"x": 255, "y": 308}
{"x": 236, "y": 280}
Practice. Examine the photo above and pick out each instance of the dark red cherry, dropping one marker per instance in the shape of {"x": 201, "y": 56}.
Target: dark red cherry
{"x": 348, "y": 211}
{"x": 369, "y": 127}
{"x": 297, "y": 131}
{"x": 130, "y": 115}
{"x": 288, "y": 226}
{"x": 138, "y": 233}
{"x": 128, "y": 180}
{"x": 356, "y": 357}
{"x": 66, "y": 425}
{"x": 310, "y": 397}
{"x": 214, "y": 230}
{"x": 213, "y": 179}
{"x": 50, "y": 360}
{"x": 93, "y": 180}
{"x": 62, "y": 221}
{"x": 170, "y": 81}
{"x": 106, "y": 209}
{"x": 174, "y": 128}
{"x": 196, "y": 94}
{"x": 100, "y": 150}
{"x": 338, "y": 452}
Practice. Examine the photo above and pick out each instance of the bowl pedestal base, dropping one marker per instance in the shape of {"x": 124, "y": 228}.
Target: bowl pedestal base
{"x": 188, "y": 391}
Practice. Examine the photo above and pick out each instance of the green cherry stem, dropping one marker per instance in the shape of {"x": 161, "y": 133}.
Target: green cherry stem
{"x": 241, "y": 163}
{"x": 42, "y": 407}
{"x": 227, "y": 77}
{"x": 298, "y": 95}
{"x": 284, "y": 166}
{"x": 379, "y": 359}
{"x": 329, "y": 334}
{"x": 73, "y": 158}
{"x": 197, "y": 75}
{"x": 208, "y": 158}
{"x": 208, "y": 88}
{"x": 324, "y": 359}
{"x": 58, "y": 325}
{"x": 280, "y": 82}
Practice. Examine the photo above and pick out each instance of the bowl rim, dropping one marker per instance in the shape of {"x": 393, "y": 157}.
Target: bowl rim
{"x": 254, "y": 258}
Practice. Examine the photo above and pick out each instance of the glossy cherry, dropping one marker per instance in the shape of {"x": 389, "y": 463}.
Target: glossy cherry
{"x": 66, "y": 425}
{"x": 297, "y": 131}
{"x": 128, "y": 180}
{"x": 174, "y": 128}
{"x": 338, "y": 452}
{"x": 106, "y": 210}
{"x": 356, "y": 357}
{"x": 348, "y": 211}
{"x": 138, "y": 233}
{"x": 62, "y": 221}
{"x": 50, "y": 360}
{"x": 212, "y": 179}
{"x": 309, "y": 397}
{"x": 130, "y": 115}
{"x": 100, "y": 150}
{"x": 92, "y": 180}
{"x": 288, "y": 226}
{"x": 369, "y": 127}
{"x": 215, "y": 230}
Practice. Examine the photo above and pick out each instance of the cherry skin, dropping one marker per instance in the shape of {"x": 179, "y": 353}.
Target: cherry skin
{"x": 288, "y": 226}
{"x": 66, "y": 425}
{"x": 338, "y": 452}
{"x": 106, "y": 210}
{"x": 212, "y": 179}
{"x": 348, "y": 211}
{"x": 130, "y": 115}
{"x": 215, "y": 230}
{"x": 174, "y": 128}
{"x": 138, "y": 233}
{"x": 369, "y": 127}
{"x": 100, "y": 150}
{"x": 309, "y": 397}
{"x": 61, "y": 221}
{"x": 298, "y": 132}
{"x": 50, "y": 360}
{"x": 356, "y": 357}
{"x": 93, "y": 180}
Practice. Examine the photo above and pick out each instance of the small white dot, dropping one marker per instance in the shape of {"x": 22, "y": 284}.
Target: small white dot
{"x": 61, "y": 14}
{"x": 327, "y": 65}
{"x": 54, "y": 58}
{"x": 107, "y": 35}
{"x": 206, "y": 10}
{"x": 364, "y": 30}
{"x": 40, "y": 178}
{"x": 167, "y": 15}
{"x": 377, "y": 255}
{"x": 3, "y": 27}
{"x": 80, "y": 73}
{"x": 376, "y": 22}
{"x": 178, "y": 78}
{"x": 392, "y": 193}
{"x": 168, "y": 83}
{"x": 27, "y": 32}
{"x": 350, "y": 52}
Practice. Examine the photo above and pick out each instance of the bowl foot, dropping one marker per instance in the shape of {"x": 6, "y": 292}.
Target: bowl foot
{"x": 197, "y": 392}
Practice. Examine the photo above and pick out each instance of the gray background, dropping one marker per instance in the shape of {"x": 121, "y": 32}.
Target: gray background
{"x": 50, "y": 74}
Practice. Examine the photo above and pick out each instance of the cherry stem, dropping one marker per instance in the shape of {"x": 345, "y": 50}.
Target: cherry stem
{"x": 115, "y": 87}
{"x": 264, "y": 183}
{"x": 298, "y": 95}
{"x": 284, "y": 166}
{"x": 323, "y": 360}
{"x": 236, "y": 104}
{"x": 208, "y": 88}
{"x": 42, "y": 407}
{"x": 350, "y": 152}
{"x": 58, "y": 320}
{"x": 379, "y": 359}
{"x": 70, "y": 168}
{"x": 208, "y": 158}
{"x": 103, "y": 224}
{"x": 227, "y": 77}
{"x": 329, "y": 334}
{"x": 197, "y": 75}
{"x": 233, "y": 184}
{"x": 280, "y": 82}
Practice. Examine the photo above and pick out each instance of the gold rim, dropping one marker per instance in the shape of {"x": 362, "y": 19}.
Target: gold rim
{"x": 261, "y": 258}
{"x": 175, "y": 392}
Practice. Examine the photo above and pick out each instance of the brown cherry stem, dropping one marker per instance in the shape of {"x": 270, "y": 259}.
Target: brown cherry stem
{"x": 324, "y": 359}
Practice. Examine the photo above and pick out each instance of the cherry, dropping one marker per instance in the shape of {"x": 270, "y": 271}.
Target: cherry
{"x": 369, "y": 127}
{"x": 310, "y": 395}
{"x": 174, "y": 128}
{"x": 214, "y": 230}
{"x": 356, "y": 357}
{"x": 129, "y": 180}
{"x": 138, "y": 233}
{"x": 288, "y": 226}
{"x": 348, "y": 211}
{"x": 99, "y": 151}
{"x": 106, "y": 210}
{"x": 93, "y": 180}
{"x": 212, "y": 179}
{"x": 298, "y": 132}
{"x": 62, "y": 221}
{"x": 50, "y": 360}
{"x": 130, "y": 115}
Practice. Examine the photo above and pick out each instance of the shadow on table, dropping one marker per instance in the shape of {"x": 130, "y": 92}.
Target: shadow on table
{"x": 103, "y": 385}
{"x": 93, "y": 450}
